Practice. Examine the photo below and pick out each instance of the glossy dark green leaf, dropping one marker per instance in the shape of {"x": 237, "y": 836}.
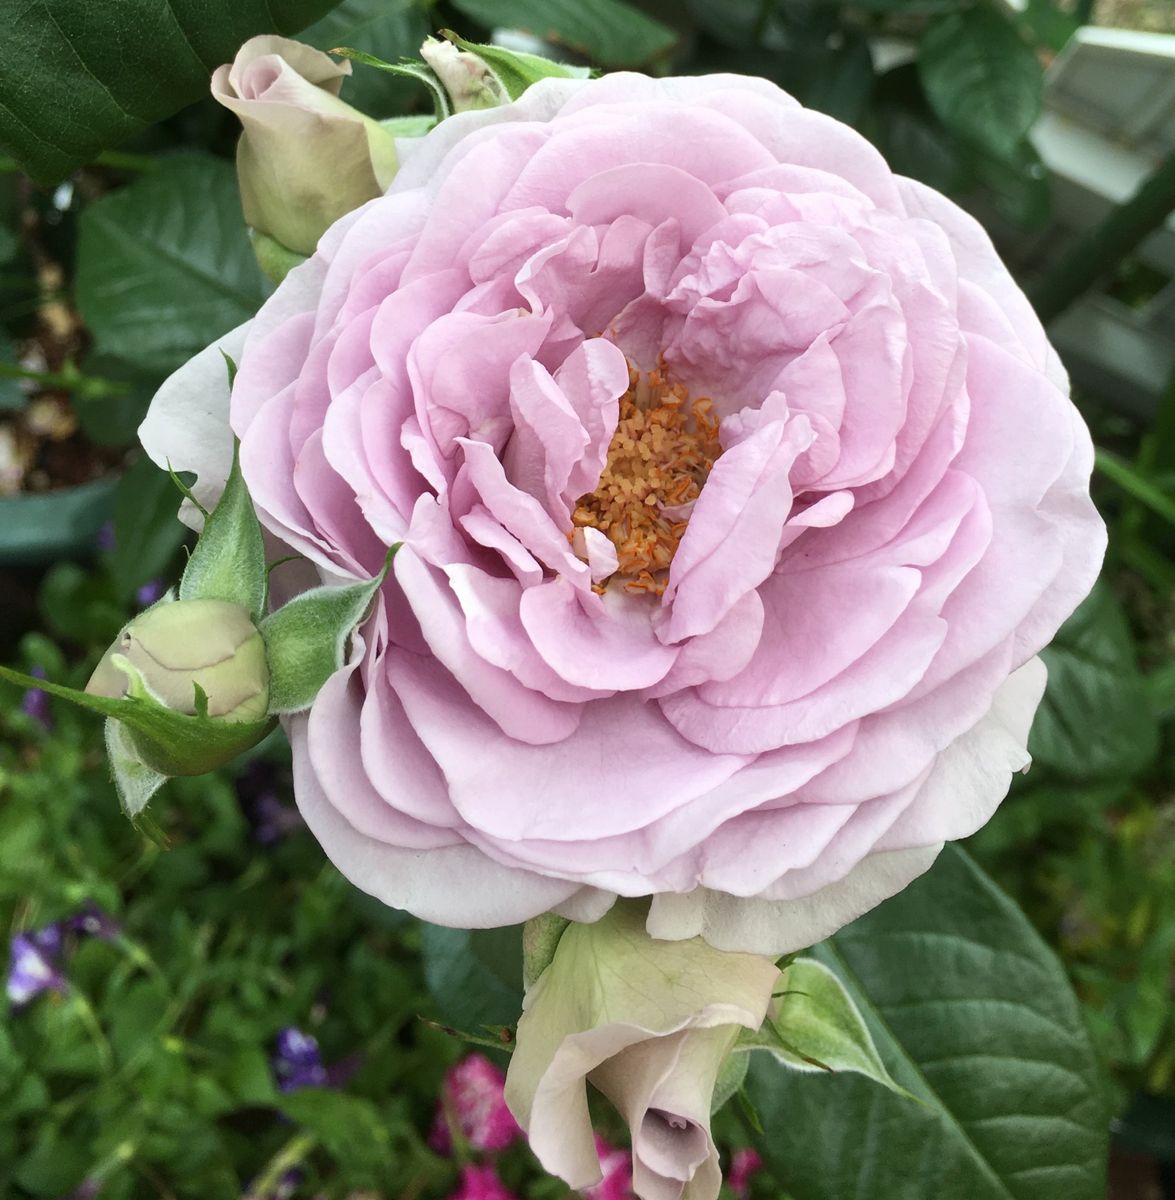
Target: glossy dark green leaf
{"x": 911, "y": 137}
{"x": 973, "y": 1015}
{"x": 147, "y": 533}
{"x": 79, "y": 76}
{"x": 981, "y": 78}
{"x": 475, "y": 976}
{"x": 609, "y": 32}
{"x": 165, "y": 266}
{"x": 39, "y": 527}
{"x": 1097, "y": 719}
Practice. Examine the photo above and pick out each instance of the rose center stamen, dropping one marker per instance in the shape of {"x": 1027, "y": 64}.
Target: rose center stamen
{"x": 662, "y": 450}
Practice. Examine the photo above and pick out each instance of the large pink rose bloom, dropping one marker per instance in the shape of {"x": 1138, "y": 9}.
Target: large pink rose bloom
{"x": 738, "y": 487}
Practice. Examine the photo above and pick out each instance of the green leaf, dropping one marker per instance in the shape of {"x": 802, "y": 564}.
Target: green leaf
{"x": 911, "y": 137}
{"x": 228, "y": 562}
{"x": 1096, "y": 720}
{"x": 77, "y": 77}
{"x": 146, "y": 531}
{"x": 980, "y": 78}
{"x": 837, "y": 79}
{"x": 388, "y": 30}
{"x": 817, "y": 1027}
{"x": 46, "y": 527}
{"x": 972, "y": 1014}
{"x": 1019, "y": 183}
{"x": 351, "y": 1129}
{"x": 12, "y": 389}
{"x": 475, "y": 976}
{"x": 611, "y": 33}
{"x": 165, "y": 266}
{"x": 1160, "y": 687}
{"x": 306, "y": 640}
{"x": 515, "y": 70}
{"x": 134, "y": 781}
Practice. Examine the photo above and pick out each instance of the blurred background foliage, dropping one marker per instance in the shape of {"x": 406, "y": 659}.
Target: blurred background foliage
{"x": 122, "y": 252}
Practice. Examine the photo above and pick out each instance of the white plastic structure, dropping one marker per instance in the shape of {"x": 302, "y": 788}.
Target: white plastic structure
{"x": 1108, "y": 120}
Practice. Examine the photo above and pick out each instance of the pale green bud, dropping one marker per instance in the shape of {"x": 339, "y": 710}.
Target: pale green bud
{"x": 650, "y": 1024}
{"x": 175, "y": 647}
{"x": 466, "y": 76}
{"x": 305, "y": 158}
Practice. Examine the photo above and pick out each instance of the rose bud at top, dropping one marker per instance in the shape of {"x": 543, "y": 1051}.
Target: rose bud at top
{"x": 647, "y": 1022}
{"x": 175, "y": 646}
{"x": 306, "y": 157}
{"x": 468, "y": 78}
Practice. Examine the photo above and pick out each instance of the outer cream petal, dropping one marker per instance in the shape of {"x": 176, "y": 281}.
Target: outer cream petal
{"x": 187, "y": 426}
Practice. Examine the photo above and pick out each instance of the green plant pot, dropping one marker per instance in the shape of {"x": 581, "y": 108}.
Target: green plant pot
{"x": 41, "y": 528}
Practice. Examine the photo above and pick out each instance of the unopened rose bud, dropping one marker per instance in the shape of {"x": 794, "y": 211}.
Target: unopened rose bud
{"x": 649, "y": 1023}
{"x": 467, "y": 77}
{"x": 305, "y": 158}
{"x": 179, "y": 646}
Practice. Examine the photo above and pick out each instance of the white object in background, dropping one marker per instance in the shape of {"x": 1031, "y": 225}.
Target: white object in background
{"x": 1108, "y": 120}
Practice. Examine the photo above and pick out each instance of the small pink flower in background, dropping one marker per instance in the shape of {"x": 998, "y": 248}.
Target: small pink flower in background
{"x": 743, "y": 1165}
{"x": 481, "y": 1183}
{"x": 617, "y": 1167}
{"x": 473, "y": 1095}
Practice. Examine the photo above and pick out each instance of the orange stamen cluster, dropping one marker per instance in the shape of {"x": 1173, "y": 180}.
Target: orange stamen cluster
{"x": 659, "y": 457}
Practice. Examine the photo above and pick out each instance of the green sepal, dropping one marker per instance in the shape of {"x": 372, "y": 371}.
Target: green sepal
{"x": 134, "y": 781}
{"x": 306, "y": 639}
{"x": 169, "y": 742}
{"x": 408, "y": 127}
{"x": 275, "y": 260}
{"x": 228, "y": 562}
{"x": 407, "y": 69}
{"x": 730, "y": 1079}
{"x": 816, "y": 1026}
{"x": 540, "y": 940}
{"x": 514, "y": 70}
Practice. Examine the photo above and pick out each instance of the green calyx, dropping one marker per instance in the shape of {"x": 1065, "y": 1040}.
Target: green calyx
{"x": 201, "y": 676}
{"x": 463, "y": 76}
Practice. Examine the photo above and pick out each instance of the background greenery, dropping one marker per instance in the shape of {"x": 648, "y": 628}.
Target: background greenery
{"x": 122, "y": 253}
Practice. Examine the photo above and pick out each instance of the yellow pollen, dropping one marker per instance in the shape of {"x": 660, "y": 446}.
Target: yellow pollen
{"x": 659, "y": 457}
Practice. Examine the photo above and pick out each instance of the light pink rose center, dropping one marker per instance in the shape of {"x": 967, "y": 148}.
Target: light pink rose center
{"x": 658, "y": 460}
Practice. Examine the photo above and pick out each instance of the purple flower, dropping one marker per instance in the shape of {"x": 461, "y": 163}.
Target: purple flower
{"x": 35, "y": 703}
{"x": 150, "y": 592}
{"x": 105, "y": 541}
{"x": 297, "y": 1061}
{"x": 95, "y": 922}
{"x": 271, "y": 819}
{"x": 88, "y": 1189}
{"x": 34, "y": 965}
